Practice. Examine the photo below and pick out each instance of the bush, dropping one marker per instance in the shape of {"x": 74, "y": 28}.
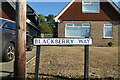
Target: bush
{"x": 110, "y": 44}
{"x": 45, "y": 28}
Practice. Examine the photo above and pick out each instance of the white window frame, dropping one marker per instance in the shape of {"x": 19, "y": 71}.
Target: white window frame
{"x": 69, "y": 26}
{"x": 107, "y": 27}
{"x": 75, "y": 27}
{"x": 90, "y": 2}
{"x": 86, "y": 26}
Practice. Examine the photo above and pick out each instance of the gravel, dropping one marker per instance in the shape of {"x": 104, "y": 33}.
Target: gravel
{"x": 67, "y": 62}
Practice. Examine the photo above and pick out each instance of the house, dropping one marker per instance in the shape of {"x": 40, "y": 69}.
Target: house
{"x": 98, "y": 19}
{"x": 8, "y": 11}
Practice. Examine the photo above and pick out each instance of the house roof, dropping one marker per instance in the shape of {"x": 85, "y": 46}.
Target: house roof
{"x": 70, "y": 3}
{"x": 29, "y": 10}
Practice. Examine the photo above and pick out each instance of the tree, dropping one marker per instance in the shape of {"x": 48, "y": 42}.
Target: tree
{"x": 42, "y": 17}
{"x": 47, "y": 23}
{"x": 50, "y": 20}
{"x": 45, "y": 28}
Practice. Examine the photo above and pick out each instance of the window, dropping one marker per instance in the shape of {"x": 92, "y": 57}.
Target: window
{"x": 77, "y": 30}
{"x": 107, "y": 30}
{"x": 77, "y": 25}
{"x": 92, "y": 6}
{"x": 12, "y": 25}
{"x": 5, "y": 25}
{"x": 69, "y": 25}
{"x": 9, "y": 25}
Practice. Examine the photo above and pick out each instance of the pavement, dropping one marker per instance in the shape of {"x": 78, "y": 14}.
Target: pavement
{"x": 6, "y": 68}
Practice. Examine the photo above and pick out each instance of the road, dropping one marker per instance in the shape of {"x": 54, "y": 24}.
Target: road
{"x": 6, "y": 68}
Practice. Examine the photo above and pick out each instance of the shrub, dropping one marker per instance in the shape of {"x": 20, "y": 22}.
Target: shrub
{"x": 45, "y": 28}
{"x": 110, "y": 44}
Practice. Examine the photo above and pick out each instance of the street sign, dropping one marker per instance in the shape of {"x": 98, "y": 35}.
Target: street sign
{"x": 62, "y": 41}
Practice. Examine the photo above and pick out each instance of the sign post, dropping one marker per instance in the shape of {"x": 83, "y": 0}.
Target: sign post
{"x": 65, "y": 41}
{"x": 37, "y": 60}
{"x": 86, "y": 62}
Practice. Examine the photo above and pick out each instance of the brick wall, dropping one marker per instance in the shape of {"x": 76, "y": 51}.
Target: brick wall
{"x": 96, "y": 31}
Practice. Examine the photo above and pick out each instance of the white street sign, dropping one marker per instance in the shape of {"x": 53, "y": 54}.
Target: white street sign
{"x": 62, "y": 41}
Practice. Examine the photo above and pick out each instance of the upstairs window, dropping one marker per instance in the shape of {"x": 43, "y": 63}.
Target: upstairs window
{"x": 90, "y": 6}
{"x": 107, "y": 30}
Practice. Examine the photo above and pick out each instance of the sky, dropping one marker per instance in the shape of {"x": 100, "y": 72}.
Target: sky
{"x": 47, "y": 8}
{"x": 51, "y": 6}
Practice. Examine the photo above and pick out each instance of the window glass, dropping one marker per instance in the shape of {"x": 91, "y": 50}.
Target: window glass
{"x": 90, "y": 7}
{"x": 95, "y": 2}
{"x": 108, "y": 31}
{"x": 69, "y": 25}
{"x": 78, "y": 31}
{"x": 108, "y": 25}
{"x": 1, "y": 22}
{"x": 5, "y": 25}
{"x": 12, "y": 25}
{"x": 78, "y": 25}
{"x": 86, "y": 2}
{"x": 85, "y": 25}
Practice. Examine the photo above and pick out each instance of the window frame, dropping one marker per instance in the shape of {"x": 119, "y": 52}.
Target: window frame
{"x": 69, "y": 26}
{"x": 90, "y": 2}
{"x": 104, "y": 31}
{"x": 76, "y": 27}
